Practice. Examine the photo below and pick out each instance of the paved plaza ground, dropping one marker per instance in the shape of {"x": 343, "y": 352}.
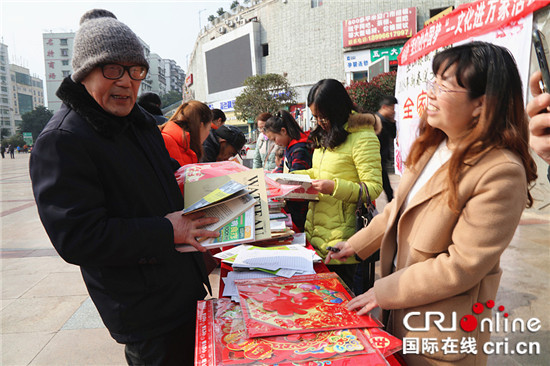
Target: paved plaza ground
{"x": 49, "y": 319}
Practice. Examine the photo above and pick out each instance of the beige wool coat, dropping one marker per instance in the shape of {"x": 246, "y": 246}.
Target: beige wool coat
{"x": 446, "y": 261}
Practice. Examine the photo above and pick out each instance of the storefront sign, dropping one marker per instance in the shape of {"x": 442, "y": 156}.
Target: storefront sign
{"x": 189, "y": 80}
{"x": 393, "y": 24}
{"x": 357, "y": 61}
{"x": 391, "y": 52}
{"x": 224, "y": 105}
{"x": 467, "y": 21}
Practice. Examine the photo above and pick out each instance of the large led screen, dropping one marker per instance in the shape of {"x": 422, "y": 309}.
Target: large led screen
{"x": 228, "y": 65}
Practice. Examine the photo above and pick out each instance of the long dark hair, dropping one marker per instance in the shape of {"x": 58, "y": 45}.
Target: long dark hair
{"x": 334, "y": 104}
{"x": 489, "y": 70}
{"x": 284, "y": 119}
{"x": 190, "y": 116}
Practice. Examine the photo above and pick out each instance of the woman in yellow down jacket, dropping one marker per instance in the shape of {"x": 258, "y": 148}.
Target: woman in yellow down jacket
{"x": 346, "y": 152}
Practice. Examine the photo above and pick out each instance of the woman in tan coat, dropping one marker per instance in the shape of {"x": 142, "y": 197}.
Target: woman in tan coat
{"x": 456, "y": 209}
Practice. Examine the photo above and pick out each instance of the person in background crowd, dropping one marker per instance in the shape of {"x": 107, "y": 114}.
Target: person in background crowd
{"x": 539, "y": 125}
{"x": 223, "y": 143}
{"x": 285, "y": 132}
{"x": 279, "y": 156}
{"x": 457, "y": 206}
{"x": 151, "y": 103}
{"x": 218, "y": 118}
{"x": 264, "y": 155}
{"x": 108, "y": 199}
{"x": 385, "y": 137}
{"x": 186, "y": 130}
{"x": 11, "y": 150}
{"x": 3, "y": 151}
{"x": 347, "y": 152}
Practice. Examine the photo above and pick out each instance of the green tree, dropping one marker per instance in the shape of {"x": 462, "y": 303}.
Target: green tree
{"x": 211, "y": 18}
{"x": 15, "y": 140}
{"x": 35, "y": 120}
{"x": 367, "y": 95}
{"x": 220, "y": 11}
{"x": 263, "y": 93}
{"x": 170, "y": 98}
{"x": 234, "y": 5}
{"x": 4, "y": 132}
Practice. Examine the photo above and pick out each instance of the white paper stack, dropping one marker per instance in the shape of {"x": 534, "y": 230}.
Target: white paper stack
{"x": 287, "y": 261}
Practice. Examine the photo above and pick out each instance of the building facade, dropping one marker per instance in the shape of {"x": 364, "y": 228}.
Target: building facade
{"x": 7, "y": 121}
{"x": 27, "y": 92}
{"x": 304, "y": 40}
{"x": 58, "y": 51}
{"x": 175, "y": 76}
{"x": 156, "y": 74}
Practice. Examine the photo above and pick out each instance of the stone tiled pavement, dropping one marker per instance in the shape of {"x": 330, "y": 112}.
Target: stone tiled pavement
{"x": 49, "y": 319}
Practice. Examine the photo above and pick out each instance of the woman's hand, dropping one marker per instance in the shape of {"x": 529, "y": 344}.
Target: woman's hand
{"x": 325, "y": 186}
{"x": 344, "y": 251}
{"x": 364, "y": 302}
{"x": 188, "y": 228}
{"x": 539, "y": 125}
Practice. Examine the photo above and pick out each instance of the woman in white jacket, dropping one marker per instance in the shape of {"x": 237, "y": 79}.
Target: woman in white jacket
{"x": 264, "y": 156}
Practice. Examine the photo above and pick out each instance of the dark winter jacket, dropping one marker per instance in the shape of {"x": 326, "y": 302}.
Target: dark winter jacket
{"x": 385, "y": 137}
{"x": 103, "y": 185}
{"x": 297, "y": 155}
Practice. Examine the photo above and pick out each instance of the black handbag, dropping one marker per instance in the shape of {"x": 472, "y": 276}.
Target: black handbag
{"x": 364, "y": 211}
{"x": 365, "y": 270}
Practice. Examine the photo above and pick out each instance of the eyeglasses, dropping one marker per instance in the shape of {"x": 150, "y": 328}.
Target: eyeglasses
{"x": 437, "y": 89}
{"x": 319, "y": 120}
{"x": 116, "y": 71}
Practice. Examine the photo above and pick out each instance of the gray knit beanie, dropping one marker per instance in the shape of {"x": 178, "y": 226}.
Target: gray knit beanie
{"x": 103, "y": 39}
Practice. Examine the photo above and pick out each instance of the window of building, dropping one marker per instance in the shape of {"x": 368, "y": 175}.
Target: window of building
{"x": 65, "y": 62}
{"x": 63, "y": 41}
{"x": 66, "y": 73}
{"x": 4, "y": 89}
{"x": 265, "y": 49}
{"x": 64, "y": 52}
{"x": 316, "y": 3}
{"x": 4, "y": 100}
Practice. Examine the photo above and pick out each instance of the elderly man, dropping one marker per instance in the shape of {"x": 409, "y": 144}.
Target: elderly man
{"x": 107, "y": 197}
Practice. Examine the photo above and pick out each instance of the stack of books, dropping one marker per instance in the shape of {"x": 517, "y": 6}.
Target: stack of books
{"x": 240, "y": 201}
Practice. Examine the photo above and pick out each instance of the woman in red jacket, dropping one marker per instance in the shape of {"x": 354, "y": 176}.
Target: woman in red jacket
{"x": 186, "y": 130}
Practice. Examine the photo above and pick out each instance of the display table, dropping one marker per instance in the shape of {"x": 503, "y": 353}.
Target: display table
{"x": 320, "y": 267}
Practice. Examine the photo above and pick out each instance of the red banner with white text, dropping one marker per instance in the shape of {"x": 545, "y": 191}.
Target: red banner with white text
{"x": 468, "y": 20}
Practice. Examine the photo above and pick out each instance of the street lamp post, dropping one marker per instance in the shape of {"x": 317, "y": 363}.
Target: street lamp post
{"x": 200, "y": 11}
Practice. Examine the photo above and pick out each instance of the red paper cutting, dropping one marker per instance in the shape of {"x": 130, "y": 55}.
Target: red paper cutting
{"x": 311, "y": 303}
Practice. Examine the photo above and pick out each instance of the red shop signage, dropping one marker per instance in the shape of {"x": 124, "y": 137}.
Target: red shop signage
{"x": 380, "y": 27}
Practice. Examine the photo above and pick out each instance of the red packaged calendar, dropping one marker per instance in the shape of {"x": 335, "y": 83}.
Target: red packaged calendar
{"x": 383, "y": 341}
{"x": 221, "y": 340}
{"x": 309, "y": 303}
